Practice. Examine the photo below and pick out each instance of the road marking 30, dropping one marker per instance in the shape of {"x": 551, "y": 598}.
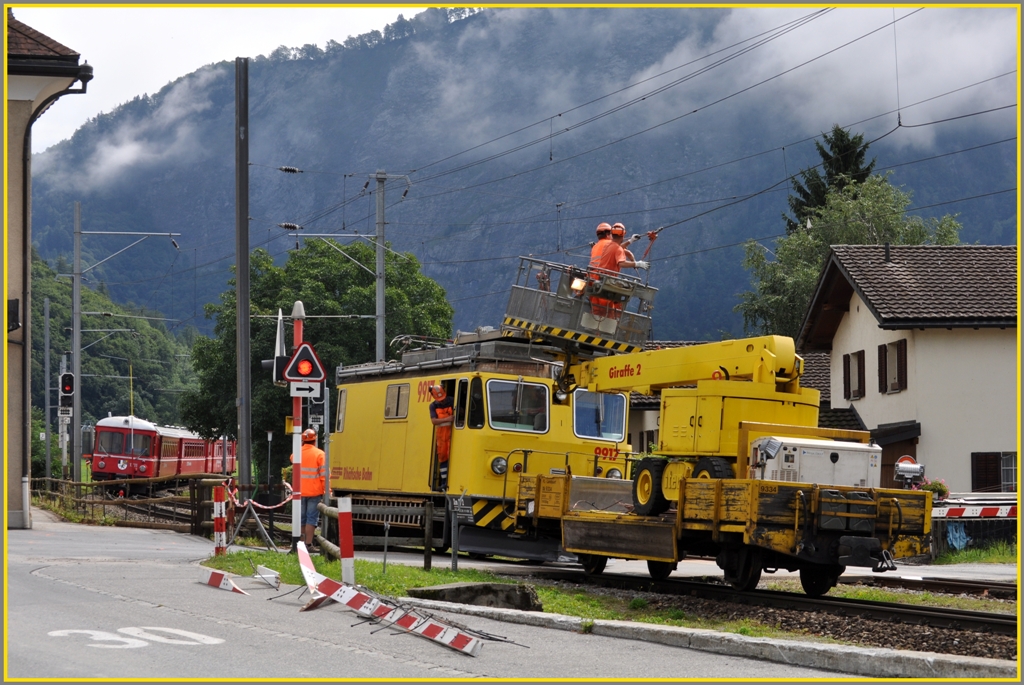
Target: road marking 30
{"x": 139, "y": 637}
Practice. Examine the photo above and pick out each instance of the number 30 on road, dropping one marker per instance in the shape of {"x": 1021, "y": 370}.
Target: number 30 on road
{"x": 139, "y": 637}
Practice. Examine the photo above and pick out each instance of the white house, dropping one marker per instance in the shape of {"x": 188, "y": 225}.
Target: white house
{"x": 923, "y": 343}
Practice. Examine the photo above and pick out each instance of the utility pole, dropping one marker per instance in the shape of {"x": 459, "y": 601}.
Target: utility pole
{"x": 298, "y": 317}
{"x": 381, "y": 177}
{"x": 243, "y": 401}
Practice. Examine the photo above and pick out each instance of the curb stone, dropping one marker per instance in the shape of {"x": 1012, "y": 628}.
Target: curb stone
{"x": 863, "y": 661}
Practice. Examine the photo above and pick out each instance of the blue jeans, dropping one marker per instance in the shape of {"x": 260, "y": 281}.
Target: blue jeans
{"x": 310, "y": 514}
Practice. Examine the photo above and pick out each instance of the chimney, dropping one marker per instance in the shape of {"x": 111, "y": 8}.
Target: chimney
{"x": 887, "y": 259}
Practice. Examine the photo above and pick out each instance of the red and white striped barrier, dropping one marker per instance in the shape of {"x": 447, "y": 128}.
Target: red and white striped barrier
{"x": 1009, "y": 511}
{"x": 365, "y": 604}
{"x": 346, "y": 541}
{"x": 218, "y": 579}
{"x": 220, "y": 534}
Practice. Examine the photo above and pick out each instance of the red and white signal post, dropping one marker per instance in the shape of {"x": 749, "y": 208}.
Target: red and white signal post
{"x": 305, "y": 375}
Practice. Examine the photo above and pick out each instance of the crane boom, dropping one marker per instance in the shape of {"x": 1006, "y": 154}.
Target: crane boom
{"x": 769, "y": 359}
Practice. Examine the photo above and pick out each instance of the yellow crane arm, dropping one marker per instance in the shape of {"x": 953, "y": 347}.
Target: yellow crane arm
{"x": 769, "y": 359}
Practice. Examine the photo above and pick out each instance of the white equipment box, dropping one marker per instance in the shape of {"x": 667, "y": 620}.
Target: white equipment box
{"x": 825, "y": 462}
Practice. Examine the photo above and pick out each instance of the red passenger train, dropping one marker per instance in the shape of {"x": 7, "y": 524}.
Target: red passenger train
{"x": 130, "y": 447}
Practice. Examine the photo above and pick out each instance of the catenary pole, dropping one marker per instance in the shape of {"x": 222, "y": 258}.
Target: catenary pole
{"x": 243, "y": 401}
{"x": 76, "y": 351}
{"x": 46, "y": 380}
{"x": 382, "y": 177}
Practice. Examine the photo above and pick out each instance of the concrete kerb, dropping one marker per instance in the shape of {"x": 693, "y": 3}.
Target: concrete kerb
{"x": 860, "y": 661}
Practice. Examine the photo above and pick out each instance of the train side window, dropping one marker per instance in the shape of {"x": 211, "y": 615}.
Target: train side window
{"x": 476, "y": 403}
{"x": 460, "y": 402}
{"x": 111, "y": 442}
{"x": 339, "y": 421}
{"x": 396, "y": 402}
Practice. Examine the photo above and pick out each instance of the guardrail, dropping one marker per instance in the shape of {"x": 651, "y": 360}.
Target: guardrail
{"x": 426, "y": 539}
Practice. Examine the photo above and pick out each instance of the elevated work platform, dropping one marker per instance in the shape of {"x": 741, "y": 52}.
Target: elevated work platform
{"x": 591, "y": 308}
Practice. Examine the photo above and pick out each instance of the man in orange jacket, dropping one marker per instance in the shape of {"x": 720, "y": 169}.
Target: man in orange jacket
{"x": 312, "y": 484}
{"x": 442, "y": 415}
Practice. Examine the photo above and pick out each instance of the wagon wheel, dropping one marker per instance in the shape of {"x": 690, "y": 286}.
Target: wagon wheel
{"x": 817, "y": 580}
{"x": 593, "y": 564}
{"x": 660, "y": 570}
{"x": 712, "y": 467}
{"x": 648, "y": 499}
{"x": 743, "y": 571}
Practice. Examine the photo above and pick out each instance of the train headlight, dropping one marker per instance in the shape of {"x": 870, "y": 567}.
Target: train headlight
{"x": 499, "y": 465}
{"x": 142, "y": 469}
{"x": 614, "y": 473}
{"x": 102, "y": 464}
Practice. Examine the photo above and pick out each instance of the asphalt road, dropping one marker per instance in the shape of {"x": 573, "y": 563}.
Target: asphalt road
{"x": 98, "y": 602}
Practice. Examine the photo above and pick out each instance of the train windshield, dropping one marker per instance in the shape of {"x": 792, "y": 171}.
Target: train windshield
{"x": 110, "y": 442}
{"x": 517, "y": 406}
{"x": 139, "y": 444}
{"x": 599, "y": 415}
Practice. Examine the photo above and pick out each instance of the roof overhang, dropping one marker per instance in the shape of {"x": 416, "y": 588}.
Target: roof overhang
{"x": 889, "y": 433}
{"x": 829, "y": 304}
{"x": 906, "y": 324}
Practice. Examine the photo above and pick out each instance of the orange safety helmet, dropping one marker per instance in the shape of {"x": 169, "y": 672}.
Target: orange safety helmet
{"x": 309, "y": 435}
{"x": 603, "y": 227}
{"x": 619, "y": 230}
{"x": 438, "y": 392}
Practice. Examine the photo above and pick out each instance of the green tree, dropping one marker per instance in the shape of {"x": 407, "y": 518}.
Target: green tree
{"x": 868, "y": 213}
{"x": 328, "y": 284}
{"x": 842, "y": 159}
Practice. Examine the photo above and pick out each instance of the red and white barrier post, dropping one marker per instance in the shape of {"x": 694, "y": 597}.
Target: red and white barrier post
{"x": 220, "y": 533}
{"x": 298, "y": 314}
{"x": 345, "y": 541}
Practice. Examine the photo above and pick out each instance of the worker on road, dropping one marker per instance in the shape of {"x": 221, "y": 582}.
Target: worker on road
{"x": 442, "y": 415}
{"x": 311, "y": 485}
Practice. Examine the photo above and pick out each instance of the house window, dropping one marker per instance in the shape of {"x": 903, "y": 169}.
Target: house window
{"x": 892, "y": 366}
{"x": 994, "y": 472}
{"x": 853, "y": 375}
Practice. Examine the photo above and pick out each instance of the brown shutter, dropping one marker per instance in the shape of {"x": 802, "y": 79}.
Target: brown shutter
{"x": 901, "y": 363}
{"x": 883, "y": 385}
{"x": 846, "y": 376}
{"x": 860, "y": 374}
{"x": 986, "y": 472}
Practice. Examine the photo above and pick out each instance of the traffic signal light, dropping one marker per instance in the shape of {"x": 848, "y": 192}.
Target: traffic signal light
{"x": 304, "y": 366}
{"x": 276, "y": 367}
{"x": 67, "y": 389}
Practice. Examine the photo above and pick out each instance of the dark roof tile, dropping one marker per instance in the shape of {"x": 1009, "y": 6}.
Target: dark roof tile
{"x": 25, "y": 41}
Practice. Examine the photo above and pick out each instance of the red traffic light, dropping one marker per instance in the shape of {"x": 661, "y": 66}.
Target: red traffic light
{"x": 305, "y": 367}
{"x": 67, "y": 384}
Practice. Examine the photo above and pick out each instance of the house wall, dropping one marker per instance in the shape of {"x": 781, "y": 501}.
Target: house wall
{"x": 961, "y": 387}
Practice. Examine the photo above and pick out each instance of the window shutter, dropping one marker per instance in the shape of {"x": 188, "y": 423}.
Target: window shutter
{"x": 901, "y": 363}
{"x": 846, "y": 376}
{"x": 986, "y": 472}
{"x": 860, "y": 374}
{"x": 883, "y": 375}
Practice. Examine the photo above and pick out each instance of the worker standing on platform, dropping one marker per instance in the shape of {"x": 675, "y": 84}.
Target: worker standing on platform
{"x": 618, "y": 237}
{"x": 312, "y": 484}
{"x": 608, "y": 255}
{"x": 442, "y": 415}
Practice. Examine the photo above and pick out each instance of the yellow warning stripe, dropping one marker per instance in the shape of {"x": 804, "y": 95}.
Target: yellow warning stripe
{"x": 490, "y": 514}
{"x": 575, "y": 336}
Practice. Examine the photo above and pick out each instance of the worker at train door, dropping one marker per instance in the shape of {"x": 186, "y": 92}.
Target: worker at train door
{"x": 442, "y": 415}
{"x": 311, "y": 485}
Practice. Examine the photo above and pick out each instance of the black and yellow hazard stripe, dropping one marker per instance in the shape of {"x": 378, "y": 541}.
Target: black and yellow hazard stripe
{"x": 575, "y": 336}
{"x": 490, "y": 513}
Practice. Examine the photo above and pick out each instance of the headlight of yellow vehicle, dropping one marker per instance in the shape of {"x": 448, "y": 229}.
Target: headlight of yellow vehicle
{"x": 499, "y": 465}
{"x": 614, "y": 473}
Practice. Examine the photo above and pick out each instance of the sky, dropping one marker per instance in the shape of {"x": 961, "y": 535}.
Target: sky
{"x": 138, "y": 50}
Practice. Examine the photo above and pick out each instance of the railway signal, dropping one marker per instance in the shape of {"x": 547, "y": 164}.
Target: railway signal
{"x": 304, "y": 366}
{"x": 67, "y": 390}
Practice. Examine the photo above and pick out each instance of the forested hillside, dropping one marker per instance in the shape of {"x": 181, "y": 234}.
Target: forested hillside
{"x": 686, "y": 118}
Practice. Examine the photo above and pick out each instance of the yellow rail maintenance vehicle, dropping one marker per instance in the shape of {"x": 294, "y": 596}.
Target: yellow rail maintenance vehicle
{"x": 741, "y": 471}
{"x": 515, "y": 416}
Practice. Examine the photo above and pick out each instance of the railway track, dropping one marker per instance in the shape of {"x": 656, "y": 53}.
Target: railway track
{"x": 976, "y": 621}
{"x": 953, "y": 586}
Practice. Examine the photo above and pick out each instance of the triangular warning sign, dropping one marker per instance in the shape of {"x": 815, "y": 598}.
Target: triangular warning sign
{"x": 304, "y": 366}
